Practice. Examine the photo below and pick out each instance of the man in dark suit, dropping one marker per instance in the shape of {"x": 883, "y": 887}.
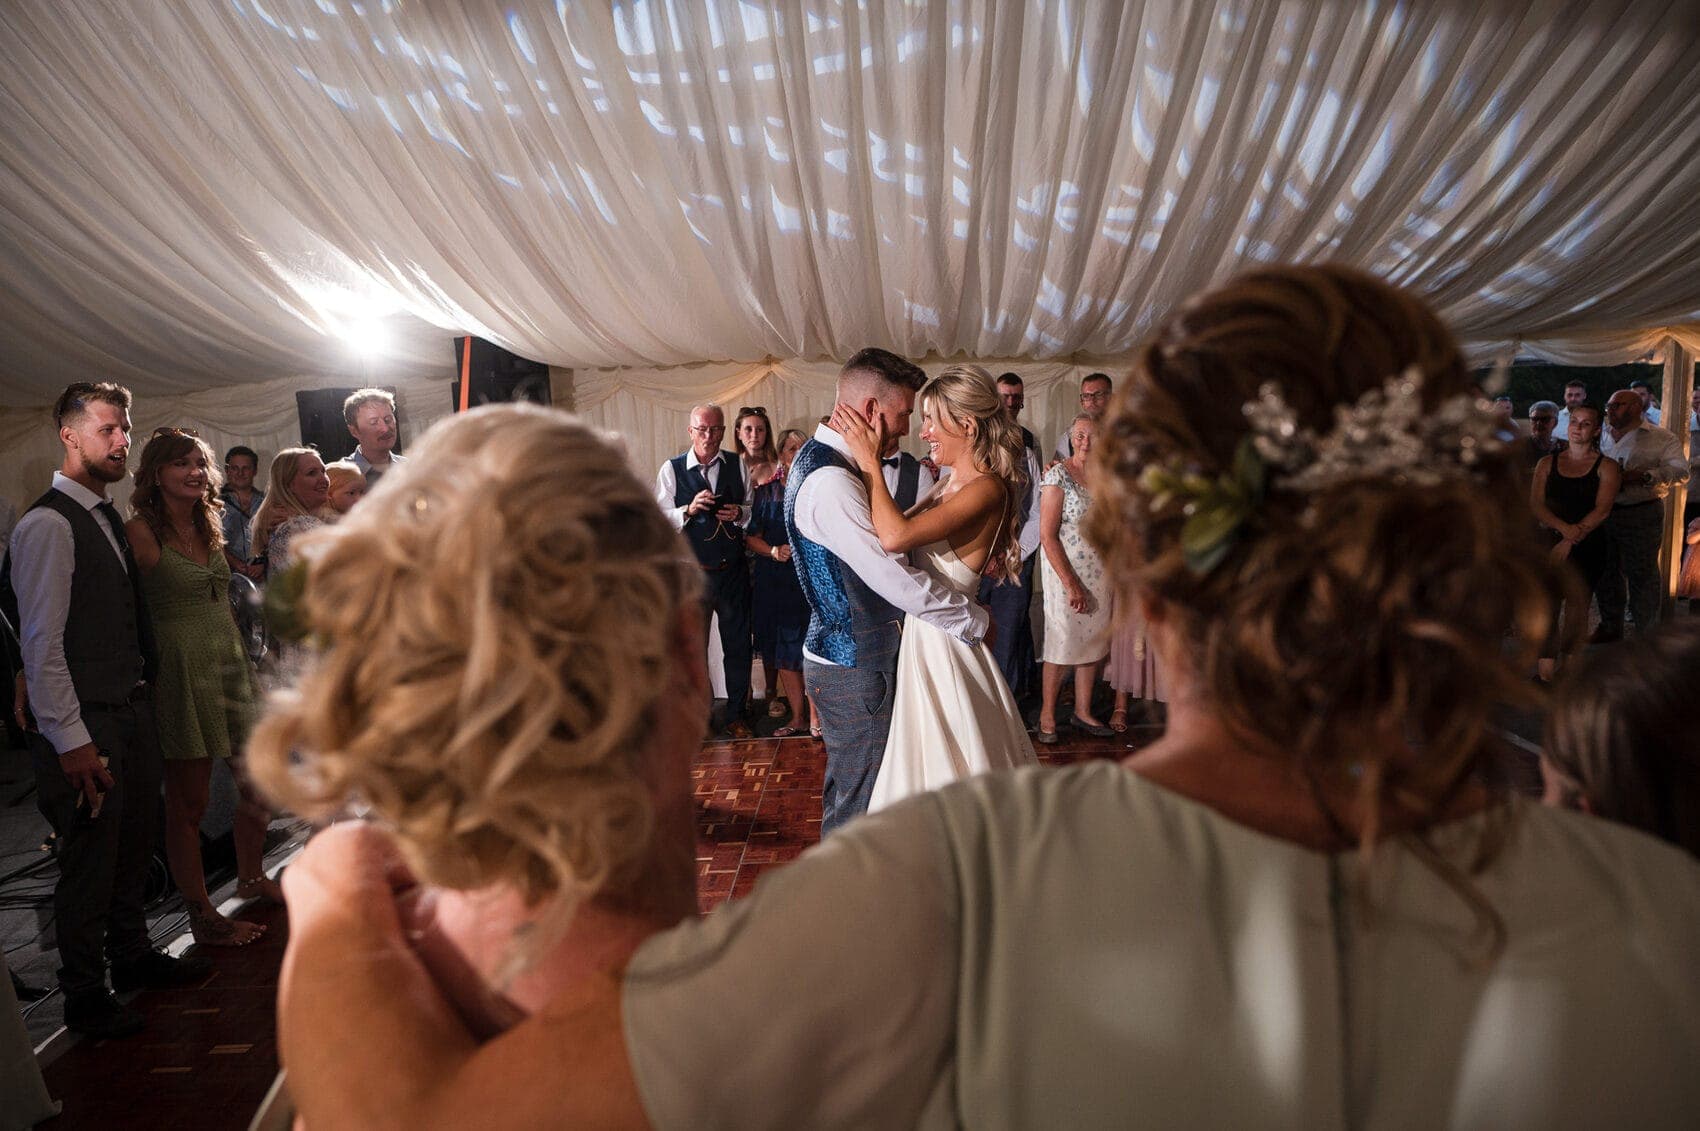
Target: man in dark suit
{"x": 72, "y": 586}
{"x": 703, "y": 492}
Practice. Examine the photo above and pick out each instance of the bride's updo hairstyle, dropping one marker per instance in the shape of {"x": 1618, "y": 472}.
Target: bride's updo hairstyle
{"x": 967, "y": 397}
{"x": 1376, "y": 605}
{"x": 497, "y": 632}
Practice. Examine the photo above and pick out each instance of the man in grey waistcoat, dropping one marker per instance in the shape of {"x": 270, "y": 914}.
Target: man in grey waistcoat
{"x": 858, "y": 593}
{"x": 71, "y": 585}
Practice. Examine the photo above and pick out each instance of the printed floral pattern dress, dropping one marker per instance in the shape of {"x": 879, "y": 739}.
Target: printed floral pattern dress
{"x": 1071, "y": 637}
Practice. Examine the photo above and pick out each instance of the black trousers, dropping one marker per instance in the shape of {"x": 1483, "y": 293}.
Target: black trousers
{"x": 1012, "y": 644}
{"x": 103, "y": 861}
{"x": 726, "y": 594}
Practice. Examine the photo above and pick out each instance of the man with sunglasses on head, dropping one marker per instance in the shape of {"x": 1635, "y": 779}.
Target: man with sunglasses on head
{"x": 704, "y": 494}
{"x": 71, "y": 585}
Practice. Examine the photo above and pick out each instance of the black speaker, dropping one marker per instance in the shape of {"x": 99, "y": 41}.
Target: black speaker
{"x": 496, "y": 376}
{"x": 322, "y": 425}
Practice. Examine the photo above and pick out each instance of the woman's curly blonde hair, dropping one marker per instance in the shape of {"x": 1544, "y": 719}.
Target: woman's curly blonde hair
{"x": 497, "y": 634}
{"x": 1371, "y": 607}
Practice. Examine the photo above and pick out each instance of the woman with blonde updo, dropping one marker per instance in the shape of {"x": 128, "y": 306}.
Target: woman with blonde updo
{"x": 520, "y": 715}
{"x": 1312, "y": 902}
{"x": 952, "y": 713}
{"x": 203, "y": 687}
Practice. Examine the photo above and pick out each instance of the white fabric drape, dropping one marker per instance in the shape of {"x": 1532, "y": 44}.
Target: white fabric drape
{"x": 195, "y": 194}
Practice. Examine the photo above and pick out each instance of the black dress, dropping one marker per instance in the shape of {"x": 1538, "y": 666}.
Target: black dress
{"x": 779, "y": 613}
{"x": 1572, "y": 499}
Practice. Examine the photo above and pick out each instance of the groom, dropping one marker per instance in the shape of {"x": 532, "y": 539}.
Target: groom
{"x": 857, "y": 592}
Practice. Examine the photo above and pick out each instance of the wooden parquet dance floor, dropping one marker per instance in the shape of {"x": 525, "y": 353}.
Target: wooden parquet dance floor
{"x": 209, "y": 1053}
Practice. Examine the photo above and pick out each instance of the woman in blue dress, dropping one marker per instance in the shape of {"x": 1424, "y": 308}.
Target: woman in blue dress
{"x": 779, "y": 613}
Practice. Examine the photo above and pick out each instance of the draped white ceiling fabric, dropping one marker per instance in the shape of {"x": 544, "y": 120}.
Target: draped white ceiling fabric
{"x": 718, "y": 198}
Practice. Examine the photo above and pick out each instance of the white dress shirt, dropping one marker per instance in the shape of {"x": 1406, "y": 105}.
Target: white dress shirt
{"x": 666, "y": 487}
{"x": 889, "y": 472}
{"x": 1645, "y": 448}
{"x": 43, "y": 558}
{"x": 832, "y": 509}
{"x": 1030, "y": 525}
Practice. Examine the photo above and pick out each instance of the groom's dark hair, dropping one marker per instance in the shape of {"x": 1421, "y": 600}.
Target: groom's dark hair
{"x": 890, "y": 368}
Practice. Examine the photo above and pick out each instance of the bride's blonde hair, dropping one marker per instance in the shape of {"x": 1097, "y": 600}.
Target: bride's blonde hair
{"x": 968, "y": 397}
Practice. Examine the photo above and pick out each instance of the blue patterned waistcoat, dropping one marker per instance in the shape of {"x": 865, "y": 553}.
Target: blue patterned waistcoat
{"x": 849, "y": 624}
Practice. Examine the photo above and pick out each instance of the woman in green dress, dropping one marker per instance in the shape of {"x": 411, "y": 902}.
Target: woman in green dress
{"x": 204, "y": 691}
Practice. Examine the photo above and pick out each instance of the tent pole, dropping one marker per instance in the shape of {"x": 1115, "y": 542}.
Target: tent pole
{"x": 1678, "y": 388}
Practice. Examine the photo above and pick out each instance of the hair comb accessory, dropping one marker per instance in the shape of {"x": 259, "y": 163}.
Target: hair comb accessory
{"x": 1386, "y": 434}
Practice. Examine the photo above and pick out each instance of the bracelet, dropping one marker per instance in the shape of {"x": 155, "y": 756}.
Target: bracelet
{"x": 773, "y": 552}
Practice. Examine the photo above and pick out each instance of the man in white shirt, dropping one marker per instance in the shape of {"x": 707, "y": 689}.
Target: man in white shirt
{"x": 858, "y": 593}
{"x": 72, "y": 587}
{"x": 1575, "y": 393}
{"x": 370, "y": 416}
{"x": 1010, "y": 601}
{"x": 704, "y": 495}
{"x": 1095, "y": 391}
{"x": 1652, "y": 461}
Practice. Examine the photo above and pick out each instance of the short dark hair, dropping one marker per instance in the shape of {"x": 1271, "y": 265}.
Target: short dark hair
{"x": 1639, "y": 383}
{"x": 73, "y": 403}
{"x": 1583, "y": 385}
{"x": 243, "y": 450}
{"x": 893, "y": 370}
{"x": 1010, "y": 379}
{"x": 1104, "y": 377}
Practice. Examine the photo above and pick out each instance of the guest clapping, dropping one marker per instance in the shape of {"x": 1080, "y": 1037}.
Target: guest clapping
{"x": 1621, "y": 742}
{"x": 204, "y": 692}
{"x": 1077, "y": 605}
{"x": 559, "y": 799}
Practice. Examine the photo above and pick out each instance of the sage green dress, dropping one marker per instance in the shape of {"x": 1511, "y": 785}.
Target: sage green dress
{"x": 204, "y": 692}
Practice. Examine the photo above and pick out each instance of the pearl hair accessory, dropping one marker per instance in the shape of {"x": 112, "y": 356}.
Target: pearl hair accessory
{"x": 1385, "y": 435}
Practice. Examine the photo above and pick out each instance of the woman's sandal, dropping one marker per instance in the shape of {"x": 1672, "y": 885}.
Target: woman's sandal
{"x": 814, "y": 733}
{"x": 785, "y": 732}
{"x": 212, "y": 929}
{"x": 1118, "y": 720}
{"x": 263, "y": 888}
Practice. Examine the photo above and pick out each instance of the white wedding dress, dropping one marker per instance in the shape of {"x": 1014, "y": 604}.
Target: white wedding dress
{"x": 952, "y": 713}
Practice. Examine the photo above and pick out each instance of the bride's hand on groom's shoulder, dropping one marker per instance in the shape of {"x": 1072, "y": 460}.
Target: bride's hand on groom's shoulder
{"x": 863, "y": 439}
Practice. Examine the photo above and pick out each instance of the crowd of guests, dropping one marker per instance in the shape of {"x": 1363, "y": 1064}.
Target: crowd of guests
{"x": 133, "y": 674}
{"x": 1319, "y": 874}
{"x": 1315, "y": 899}
{"x": 753, "y": 594}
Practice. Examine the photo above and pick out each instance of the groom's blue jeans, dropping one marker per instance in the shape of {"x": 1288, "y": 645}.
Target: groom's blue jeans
{"x": 854, "y": 705}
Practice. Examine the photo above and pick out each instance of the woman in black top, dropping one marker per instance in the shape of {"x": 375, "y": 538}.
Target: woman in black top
{"x": 1572, "y": 494}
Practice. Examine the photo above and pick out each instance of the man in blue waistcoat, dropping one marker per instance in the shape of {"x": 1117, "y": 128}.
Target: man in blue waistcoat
{"x": 71, "y": 585}
{"x": 704, "y": 494}
{"x": 858, "y": 593}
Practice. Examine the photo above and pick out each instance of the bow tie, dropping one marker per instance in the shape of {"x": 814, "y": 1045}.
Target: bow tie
{"x": 891, "y": 461}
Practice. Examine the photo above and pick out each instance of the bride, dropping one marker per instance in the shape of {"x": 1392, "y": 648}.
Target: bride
{"x": 952, "y": 714}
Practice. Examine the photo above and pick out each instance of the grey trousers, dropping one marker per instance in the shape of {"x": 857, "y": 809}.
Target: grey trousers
{"x": 1632, "y": 562}
{"x": 103, "y": 861}
{"x": 855, "y": 718}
